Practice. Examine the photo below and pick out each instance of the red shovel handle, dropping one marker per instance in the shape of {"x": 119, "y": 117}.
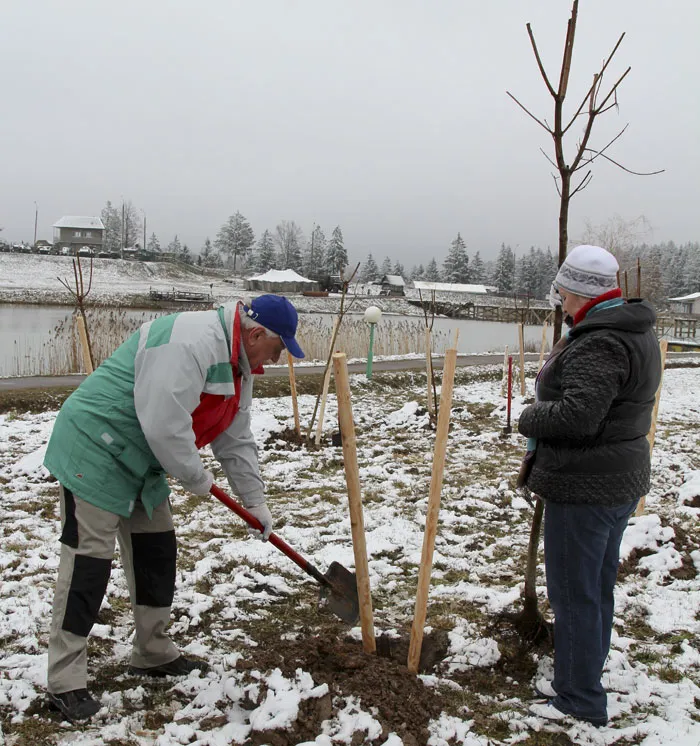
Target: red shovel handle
{"x": 275, "y": 540}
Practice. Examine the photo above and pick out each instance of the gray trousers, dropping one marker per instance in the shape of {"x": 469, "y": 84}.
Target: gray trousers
{"x": 87, "y": 548}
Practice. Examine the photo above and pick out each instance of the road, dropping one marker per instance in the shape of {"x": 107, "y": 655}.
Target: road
{"x": 46, "y": 382}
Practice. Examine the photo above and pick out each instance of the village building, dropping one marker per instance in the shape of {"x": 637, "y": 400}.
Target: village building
{"x": 280, "y": 281}
{"x": 689, "y": 304}
{"x": 73, "y": 233}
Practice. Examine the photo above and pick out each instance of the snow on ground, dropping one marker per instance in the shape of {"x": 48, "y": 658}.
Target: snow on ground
{"x": 238, "y": 599}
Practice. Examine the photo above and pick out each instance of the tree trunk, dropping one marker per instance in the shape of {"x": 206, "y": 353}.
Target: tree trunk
{"x": 563, "y": 241}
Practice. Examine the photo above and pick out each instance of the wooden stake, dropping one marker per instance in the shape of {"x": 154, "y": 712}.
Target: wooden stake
{"x": 521, "y": 334}
{"x": 542, "y": 345}
{"x": 429, "y": 369}
{"x": 431, "y": 518}
{"x": 504, "y": 380}
{"x": 326, "y": 383}
{"x": 627, "y": 294}
{"x": 82, "y": 334}
{"x": 352, "y": 479}
{"x": 293, "y": 387}
{"x": 663, "y": 345}
{"x": 639, "y": 278}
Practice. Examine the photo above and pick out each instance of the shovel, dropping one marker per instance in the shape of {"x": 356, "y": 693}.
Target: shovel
{"x": 338, "y": 585}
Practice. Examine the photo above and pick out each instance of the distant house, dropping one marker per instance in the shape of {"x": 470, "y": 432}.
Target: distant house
{"x": 686, "y": 304}
{"x": 75, "y": 232}
{"x": 392, "y": 285}
{"x": 281, "y": 281}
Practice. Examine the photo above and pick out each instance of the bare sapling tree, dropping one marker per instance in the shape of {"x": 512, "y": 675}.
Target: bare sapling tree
{"x": 425, "y": 306}
{"x": 595, "y": 103}
{"x": 345, "y": 284}
{"x": 80, "y": 293}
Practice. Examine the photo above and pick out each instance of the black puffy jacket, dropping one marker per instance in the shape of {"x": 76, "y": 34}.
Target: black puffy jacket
{"x": 595, "y": 401}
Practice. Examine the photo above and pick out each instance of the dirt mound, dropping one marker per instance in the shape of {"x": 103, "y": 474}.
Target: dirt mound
{"x": 396, "y": 698}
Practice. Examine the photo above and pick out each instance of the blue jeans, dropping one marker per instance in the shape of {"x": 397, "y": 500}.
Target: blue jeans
{"x": 582, "y": 550}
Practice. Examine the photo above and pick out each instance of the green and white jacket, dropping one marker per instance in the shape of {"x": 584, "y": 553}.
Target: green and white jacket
{"x": 130, "y": 422}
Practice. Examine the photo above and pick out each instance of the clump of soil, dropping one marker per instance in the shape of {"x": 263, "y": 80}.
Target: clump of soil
{"x": 293, "y": 440}
{"x": 396, "y": 698}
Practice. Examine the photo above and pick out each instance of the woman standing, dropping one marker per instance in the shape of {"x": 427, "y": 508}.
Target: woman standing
{"x": 591, "y": 465}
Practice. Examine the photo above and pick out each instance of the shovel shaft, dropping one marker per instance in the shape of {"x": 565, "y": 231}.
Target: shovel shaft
{"x": 275, "y": 540}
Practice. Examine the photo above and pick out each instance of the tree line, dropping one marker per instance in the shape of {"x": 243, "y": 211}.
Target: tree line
{"x": 235, "y": 244}
{"x": 667, "y": 269}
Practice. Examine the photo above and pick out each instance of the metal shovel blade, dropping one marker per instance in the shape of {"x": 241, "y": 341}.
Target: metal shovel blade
{"x": 341, "y": 593}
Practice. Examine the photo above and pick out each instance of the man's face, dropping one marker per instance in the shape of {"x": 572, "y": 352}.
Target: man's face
{"x": 262, "y": 348}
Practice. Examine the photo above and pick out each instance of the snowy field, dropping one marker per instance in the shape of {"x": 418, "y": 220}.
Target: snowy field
{"x": 284, "y": 671}
{"x": 28, "y": 278}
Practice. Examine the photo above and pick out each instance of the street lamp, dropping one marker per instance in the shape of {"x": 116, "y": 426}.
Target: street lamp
{"x": 372, "y": 316}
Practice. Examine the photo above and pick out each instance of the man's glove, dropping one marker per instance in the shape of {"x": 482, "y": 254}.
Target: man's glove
{"x": 262, "y": 513}
{"x": 202, "y": 485}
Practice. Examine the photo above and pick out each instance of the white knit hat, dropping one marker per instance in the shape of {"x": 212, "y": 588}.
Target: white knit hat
{"x": 588, "y": 271}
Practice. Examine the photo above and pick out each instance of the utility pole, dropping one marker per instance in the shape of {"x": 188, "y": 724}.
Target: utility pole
{"x": 36, "y": 220}
{"x": 144, "y": 230}
{"x": 122, "y": 236}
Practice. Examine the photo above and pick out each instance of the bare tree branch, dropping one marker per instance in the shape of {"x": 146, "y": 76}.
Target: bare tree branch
{"x": 548, "y": 158}
{"x": 530, "y": 114}
{"x": 539, "y": 61}
{"x": 629, "y": 171}
{"x": 600, "y": 152}
{"x": 556, "y": 184}
{"x": 596, "y": 78}
{"x": 612, "y": 90}
{"x": 583, "y": 184}
{"x": 568, "y": 53}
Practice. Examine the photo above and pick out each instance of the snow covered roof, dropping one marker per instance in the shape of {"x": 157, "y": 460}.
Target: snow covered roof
{"x": 393, "y": 280}
{"x": 451, "y": 287}
{"x": 79, "y": 221}
{"x": 280, "y": 275}
{"x": 692, "y": 296}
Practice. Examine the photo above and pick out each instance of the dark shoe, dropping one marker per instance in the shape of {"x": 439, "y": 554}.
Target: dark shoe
{"x": 75, "y": 705}
{"x": 179, "y": 667}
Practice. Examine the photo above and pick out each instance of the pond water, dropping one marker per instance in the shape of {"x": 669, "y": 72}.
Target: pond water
{"x": 40, "y": 340}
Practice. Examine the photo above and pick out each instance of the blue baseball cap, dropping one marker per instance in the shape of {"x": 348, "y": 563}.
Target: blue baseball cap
{"x": 278, "y": 315}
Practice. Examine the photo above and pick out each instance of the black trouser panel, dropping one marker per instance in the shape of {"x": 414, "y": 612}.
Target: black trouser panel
{"x": 69, "y": 534}
{"x": 87, "y": 589}
{"x": 155, "y": 556}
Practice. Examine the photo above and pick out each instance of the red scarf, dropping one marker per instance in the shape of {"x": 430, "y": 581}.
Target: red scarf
{"x": 610, "y": 295}
{"x": 215, "y": 412}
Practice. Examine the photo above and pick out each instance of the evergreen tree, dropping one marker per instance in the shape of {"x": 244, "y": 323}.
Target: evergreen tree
{"x": 336, "y": 255}
{"x": 235, "y": 238}
{"x": 154, "y": 244}
{"x": 289, "y": 237}
{"x": 528, "y": 273}
{"x": 504, "y": 275}
{"x": 315, "y": 255}
{"x": 185, "y": 254}
{"x": 175, "y": 248}
{"x": 370, "y": 271}
{"x": 432, "y": 273}
{"x": 399, "y": 269}
{"x": 210, "y": 257}
{"x": 417, "y": 272}
{"x": 477, "y": 270}
{"x": 111, "y": 219}
{"x": 456, "y": 265}
{"x": 386, "y": 267}
{"x": 264, "y": 254}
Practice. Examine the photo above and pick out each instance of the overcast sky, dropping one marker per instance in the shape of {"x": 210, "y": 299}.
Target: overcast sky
{"x": 388, "y": 117}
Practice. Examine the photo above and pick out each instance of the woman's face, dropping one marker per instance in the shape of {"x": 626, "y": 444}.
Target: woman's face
{"x": 571, "y": 304}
